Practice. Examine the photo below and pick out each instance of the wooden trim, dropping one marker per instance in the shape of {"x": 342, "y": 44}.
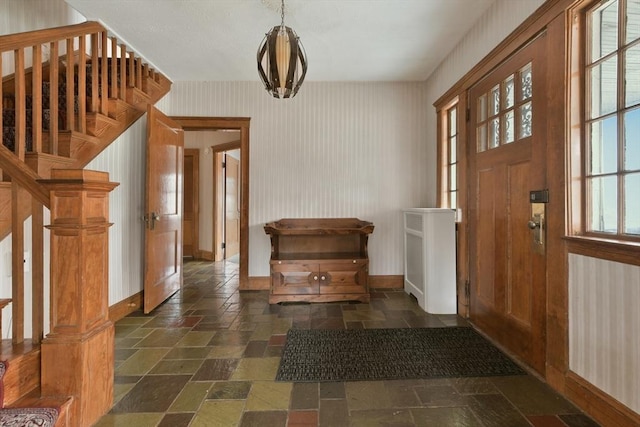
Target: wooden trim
{"x": 241, "y": 124}
{"x": 609, "y": 250}
{"x": 258, "y": 283}
{"x": 604, "y": 408}
{"x": 209, "y": 123}
{"x": 386, "y": 282}
{"x": 125, "y": 307}
{"x": 557, "y": 317}
{"x": 32, "y": 38}
{"x": 226, "y": 146}
{"x": 462, "y": 227}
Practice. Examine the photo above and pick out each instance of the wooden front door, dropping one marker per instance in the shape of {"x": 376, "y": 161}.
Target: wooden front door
{"x": 507, "y": 128}
{"x": 163, "y": 209}
{"x": 232, "y": 206}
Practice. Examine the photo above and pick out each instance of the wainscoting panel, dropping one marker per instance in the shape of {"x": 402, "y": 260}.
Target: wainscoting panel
{"x": 604, "y": 326}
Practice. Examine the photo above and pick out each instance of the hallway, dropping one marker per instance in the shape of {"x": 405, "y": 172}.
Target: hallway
{"x": 208, "y": 356}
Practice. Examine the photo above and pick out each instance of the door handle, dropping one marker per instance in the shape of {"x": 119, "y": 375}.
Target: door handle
{"x": 151, "y": 219}
{"x": 536, "y": 224}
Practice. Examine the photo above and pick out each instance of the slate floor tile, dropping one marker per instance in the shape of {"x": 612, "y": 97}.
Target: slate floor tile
{"x": 153, "y": 393}
{"x": 209, "y": 355}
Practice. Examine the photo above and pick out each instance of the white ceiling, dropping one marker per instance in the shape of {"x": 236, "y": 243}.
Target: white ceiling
{"x": 345, "y": 40}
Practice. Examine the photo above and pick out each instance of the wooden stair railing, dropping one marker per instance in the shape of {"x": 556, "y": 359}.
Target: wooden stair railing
{"x": 45, "y": 121}
{"x": 72, "y": 92}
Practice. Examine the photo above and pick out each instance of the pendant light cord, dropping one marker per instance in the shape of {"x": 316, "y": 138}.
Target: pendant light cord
{"x": 282, "y": 14}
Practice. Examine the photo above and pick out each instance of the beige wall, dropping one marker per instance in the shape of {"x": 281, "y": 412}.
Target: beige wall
{"x": 335, "y": 150}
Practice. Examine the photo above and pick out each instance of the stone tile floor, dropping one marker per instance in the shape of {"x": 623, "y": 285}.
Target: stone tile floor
{"x": 209, "y": 354}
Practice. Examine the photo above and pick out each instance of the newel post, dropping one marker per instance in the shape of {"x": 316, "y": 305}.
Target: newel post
{"x": 78, "y": 353}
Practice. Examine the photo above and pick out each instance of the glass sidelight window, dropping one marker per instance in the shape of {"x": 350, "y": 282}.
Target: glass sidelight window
{"x": 612, "y": 118}
{"x": 452, "y": 156}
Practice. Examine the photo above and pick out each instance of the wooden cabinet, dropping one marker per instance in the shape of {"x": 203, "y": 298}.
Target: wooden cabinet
{"x": 319, "y": 259}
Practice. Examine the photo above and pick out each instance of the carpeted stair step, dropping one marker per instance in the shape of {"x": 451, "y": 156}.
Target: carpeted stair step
{"x": 45, "y": 404}
{"x": 31, "y": 410}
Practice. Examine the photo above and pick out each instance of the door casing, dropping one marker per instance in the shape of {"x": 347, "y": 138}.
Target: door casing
{"x": 190, "y": 123}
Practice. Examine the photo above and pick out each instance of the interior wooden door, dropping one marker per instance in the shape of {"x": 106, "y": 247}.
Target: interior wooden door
{"x": 190, "y": 211}
{"x": 507, "y": 129}
{"x": 232, "y": 206}
{"x": 163, "y": 209}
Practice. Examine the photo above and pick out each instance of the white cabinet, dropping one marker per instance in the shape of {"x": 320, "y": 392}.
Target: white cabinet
{"x": 430, "y": 258}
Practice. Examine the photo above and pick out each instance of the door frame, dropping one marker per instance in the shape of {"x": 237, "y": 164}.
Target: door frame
{"x": 191, "y": 123}
{"x": 550, "y": 16}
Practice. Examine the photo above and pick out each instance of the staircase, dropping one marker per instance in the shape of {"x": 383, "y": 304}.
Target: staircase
{"x": 72, "y": 92}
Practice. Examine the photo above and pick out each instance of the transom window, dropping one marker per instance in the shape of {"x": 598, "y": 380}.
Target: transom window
{"x": 612, "y": 118}
{"x": 505, "y": 112}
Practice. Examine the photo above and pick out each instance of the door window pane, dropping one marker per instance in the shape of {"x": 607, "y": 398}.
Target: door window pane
{"x": 495, "y": 101}
{"x": 508, "y": 124}
{"x": 604, "y": 146}
{"x": 482, "y": 138}
{"x": 494, "y": 133}
{"x": 453, "y": 148}
{"x": 603, "y": 83}
{"x": 632, "y": 204}
{"x": 525, "y": 120}
{"x": 604, "y": 30}
{"x": 604, "y": 204}
{"x": 632, "y": 76}
{"x": 482, "y": 108}
{"x": 509, "y": 95}
{"x": 453, "y": 126}
{"x": 526, "y": 83}
{"x": 632, "y": 141}
{"x": 453, "y": 177}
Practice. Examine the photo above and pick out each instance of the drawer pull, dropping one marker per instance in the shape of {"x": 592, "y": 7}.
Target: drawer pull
{"x": 279, "y": 262}
{"x": 315, "y": 277}
{"x": 322, "y": 278}
{"x": 354, "y": 261}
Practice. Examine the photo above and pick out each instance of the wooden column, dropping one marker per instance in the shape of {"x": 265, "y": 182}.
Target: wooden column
{"x": 78, "y": 353}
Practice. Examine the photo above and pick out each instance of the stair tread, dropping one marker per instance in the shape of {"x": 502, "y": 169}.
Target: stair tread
{"x": 36, "y": 401}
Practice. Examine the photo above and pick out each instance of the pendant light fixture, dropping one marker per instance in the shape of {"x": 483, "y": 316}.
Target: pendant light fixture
{"x": 282, "y": 62}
